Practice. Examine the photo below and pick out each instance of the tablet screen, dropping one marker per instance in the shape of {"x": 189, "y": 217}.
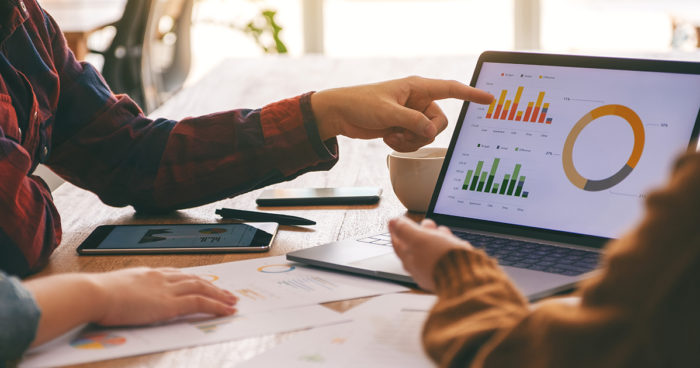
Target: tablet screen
{"x": 185, "y": 236}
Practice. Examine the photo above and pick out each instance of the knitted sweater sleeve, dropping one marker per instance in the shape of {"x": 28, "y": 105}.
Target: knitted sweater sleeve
{"x": 639, "y": 310}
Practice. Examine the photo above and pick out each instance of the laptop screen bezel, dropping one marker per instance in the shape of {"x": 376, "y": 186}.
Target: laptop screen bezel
{"x": 591, "y": 62}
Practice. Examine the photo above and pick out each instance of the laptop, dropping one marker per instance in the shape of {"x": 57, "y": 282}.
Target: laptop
{"x": 554, "y": 168}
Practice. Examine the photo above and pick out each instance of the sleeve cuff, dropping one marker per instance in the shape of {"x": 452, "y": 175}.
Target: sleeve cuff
{"x": 326, "y": 150}
{"x": 460, "y": 270}
{"x": 19, "y": 317}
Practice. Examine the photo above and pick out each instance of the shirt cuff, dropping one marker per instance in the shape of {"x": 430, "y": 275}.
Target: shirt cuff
{"x": 460, "y": 270}
{"x": 326, "y": 150}
{"x": 19, "y": 318}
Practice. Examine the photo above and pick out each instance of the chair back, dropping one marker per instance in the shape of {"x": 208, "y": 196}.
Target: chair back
{"x": 149, "y": 57}
{"x": 166, "y": 53}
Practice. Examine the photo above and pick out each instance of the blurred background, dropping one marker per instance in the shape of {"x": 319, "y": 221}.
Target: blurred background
{"x": 220, "y": 29}
{"x": 150, "y": 49}
{"x": 409, "y": 28}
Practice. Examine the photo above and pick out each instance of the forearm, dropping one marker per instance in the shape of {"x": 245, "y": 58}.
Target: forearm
{"x": 158, "y": 165}
{"x": 241, "y": 150}
{"x": 66, "y": 301}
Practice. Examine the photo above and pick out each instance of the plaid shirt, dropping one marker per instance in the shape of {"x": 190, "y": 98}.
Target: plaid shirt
{"x": 57, "y": 111}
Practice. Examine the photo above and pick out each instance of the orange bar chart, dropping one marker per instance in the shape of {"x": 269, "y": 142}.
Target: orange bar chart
{"x": 528, "y": 111}
{"x": 497, "y": 113}
{"x": 489, "y": 113}
{"x": 543, "y": 114}
{"x": 516, "y": 101}
{"x": 506, "y": 109}
{"x": 536, "y": 111}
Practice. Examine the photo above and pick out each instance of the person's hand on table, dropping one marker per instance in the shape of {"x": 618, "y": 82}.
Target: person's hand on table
{"x": 403, "y": 112}
{"x": 134, "y": 296}
{"x": 421, "y": 246}
{"x": 151, "y": 295}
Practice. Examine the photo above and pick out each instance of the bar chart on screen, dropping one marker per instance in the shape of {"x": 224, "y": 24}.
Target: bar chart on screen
{"x": 503, "y": 108}
{"x": 484, "y": 180}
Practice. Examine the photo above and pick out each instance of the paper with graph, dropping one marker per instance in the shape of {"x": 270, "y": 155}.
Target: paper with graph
{"x": 384, "y": 332}
{"x": 93, "y": 344}
{"x": 274, "y": 296}
{"x": 264, "y": 284}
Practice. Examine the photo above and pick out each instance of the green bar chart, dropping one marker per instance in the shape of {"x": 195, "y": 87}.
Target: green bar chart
{"x": 483, "y": 179}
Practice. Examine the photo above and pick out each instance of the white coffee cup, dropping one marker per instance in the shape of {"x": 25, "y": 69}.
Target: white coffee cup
{"x": 413, "y": 175}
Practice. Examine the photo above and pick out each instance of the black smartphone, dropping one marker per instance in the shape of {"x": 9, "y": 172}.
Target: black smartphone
{"x": 180, "y": 238}
{"x": 319, "y": 196}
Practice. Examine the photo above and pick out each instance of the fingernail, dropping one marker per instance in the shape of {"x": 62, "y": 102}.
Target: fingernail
{"x": 429, "y": 131}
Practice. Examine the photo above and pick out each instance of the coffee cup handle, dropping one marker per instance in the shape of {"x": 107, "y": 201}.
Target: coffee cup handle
{"x": 387, "y": 161}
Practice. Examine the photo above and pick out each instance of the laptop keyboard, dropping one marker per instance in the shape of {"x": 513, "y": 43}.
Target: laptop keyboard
{"x": 521, "y": 254}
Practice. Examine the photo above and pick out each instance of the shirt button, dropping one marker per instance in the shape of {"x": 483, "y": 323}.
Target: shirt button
{"x": 45, "y": 151}
{"x": 24, "y": 7}
{"x": 20, "y": 135}
{"x": 36, "y": 114}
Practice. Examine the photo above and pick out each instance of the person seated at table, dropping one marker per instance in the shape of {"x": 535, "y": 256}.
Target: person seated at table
{"x": 36, "y": 311}
{"x": 640, "y": 310}
{"x": 57, "y": 111}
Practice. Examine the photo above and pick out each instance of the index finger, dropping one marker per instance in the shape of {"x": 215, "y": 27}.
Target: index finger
{"x": 439, "y": 89}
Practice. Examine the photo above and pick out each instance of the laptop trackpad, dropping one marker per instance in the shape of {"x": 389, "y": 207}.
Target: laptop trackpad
{"x": 389, "y": 263}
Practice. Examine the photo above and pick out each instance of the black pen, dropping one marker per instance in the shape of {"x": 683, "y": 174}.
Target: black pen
{"x": 254, "y": 216}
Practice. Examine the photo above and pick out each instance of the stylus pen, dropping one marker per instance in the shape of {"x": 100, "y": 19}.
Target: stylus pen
{"x": 281, "y": 219}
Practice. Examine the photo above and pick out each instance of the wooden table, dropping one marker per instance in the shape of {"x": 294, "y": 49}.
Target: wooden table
{"x": 79, "y": 18}
{"x": 253, "y": 83}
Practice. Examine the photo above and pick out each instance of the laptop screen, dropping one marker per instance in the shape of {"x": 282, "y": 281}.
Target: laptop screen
{"x": 564, "y": 148}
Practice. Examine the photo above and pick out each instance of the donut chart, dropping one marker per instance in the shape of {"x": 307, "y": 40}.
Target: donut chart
{"x": 591, "y": 185}
{"x": 276, "y": 268}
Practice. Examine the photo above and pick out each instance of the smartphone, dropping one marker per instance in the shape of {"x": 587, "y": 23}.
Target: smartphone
{"x": 180, "y": 238}
{"x": 319, "y": 196}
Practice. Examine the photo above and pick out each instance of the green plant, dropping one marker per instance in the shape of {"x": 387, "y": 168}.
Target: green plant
{"x": 263, "y": 28}
{"x": 265, "y": 22}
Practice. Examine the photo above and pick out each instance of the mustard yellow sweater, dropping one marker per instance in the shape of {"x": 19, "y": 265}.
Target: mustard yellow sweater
{"x": 641, "y": 310}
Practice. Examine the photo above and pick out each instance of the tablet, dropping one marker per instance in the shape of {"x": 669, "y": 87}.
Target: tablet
{"x": 180, "y": 238}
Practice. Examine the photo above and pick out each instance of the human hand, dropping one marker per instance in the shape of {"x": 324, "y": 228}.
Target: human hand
{"x": 421, "y": 246}
{"x": 144, "y": 295}
{"x": 403, "y": 111}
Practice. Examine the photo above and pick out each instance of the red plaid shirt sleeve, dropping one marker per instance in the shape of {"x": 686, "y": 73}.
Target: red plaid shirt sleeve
{"x": 102, "y": 142}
